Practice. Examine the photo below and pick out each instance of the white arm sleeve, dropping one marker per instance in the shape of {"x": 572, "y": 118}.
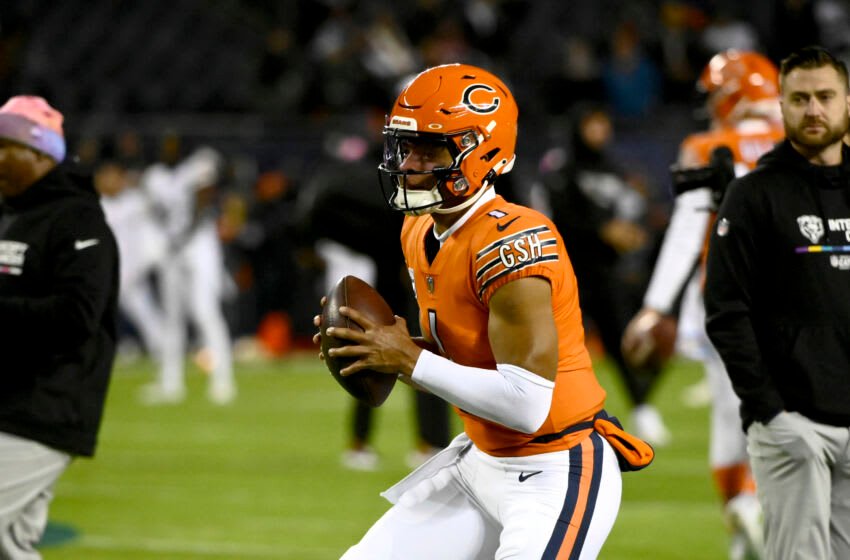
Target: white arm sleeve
{"x": 508, "y": 395}
{"x": 681, "y": 249}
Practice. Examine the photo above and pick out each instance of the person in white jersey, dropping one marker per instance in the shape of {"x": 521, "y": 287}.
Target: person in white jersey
{"x": 193, "y": 279}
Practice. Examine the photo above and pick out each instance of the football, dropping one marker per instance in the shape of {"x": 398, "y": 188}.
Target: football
{"x": 649, "y": 340}
{"x": 370, "y": 387}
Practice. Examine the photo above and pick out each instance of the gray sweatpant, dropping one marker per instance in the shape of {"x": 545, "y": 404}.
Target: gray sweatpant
{"x": 802, "y": 472}
{"x": 28, "y": 471}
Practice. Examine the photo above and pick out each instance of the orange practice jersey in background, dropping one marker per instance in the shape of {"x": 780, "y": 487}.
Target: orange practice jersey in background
{"x": 748, "y": 142}
{"x": 500, "y": 243}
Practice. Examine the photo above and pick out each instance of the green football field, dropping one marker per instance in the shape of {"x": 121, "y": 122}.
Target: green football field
{"x": 262, "y": 478}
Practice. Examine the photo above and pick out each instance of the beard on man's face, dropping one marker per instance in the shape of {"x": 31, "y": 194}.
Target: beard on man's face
{"x": 829, "y": 135}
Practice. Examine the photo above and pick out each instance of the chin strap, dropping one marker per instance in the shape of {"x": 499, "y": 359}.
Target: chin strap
{"x": 466, "y": 203}
{"x": 432, "y": 200}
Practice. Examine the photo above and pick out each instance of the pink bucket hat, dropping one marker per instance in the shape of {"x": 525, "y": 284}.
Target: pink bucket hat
{"x": 32, "y": 122}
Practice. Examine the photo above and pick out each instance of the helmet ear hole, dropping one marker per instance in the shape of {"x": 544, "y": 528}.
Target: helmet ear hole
{"x": 490, "y": 155}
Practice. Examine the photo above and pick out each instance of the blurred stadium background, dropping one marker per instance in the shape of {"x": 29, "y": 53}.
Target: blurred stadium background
{"x": 292, "y": 93}
{"x": 287, "y": 90}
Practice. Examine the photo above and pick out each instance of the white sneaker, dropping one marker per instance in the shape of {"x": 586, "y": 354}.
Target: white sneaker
{"x": 697, "y": 395}
{"x": 154, "y": 394}
{"x": 738, "y": 547}
{"x": 360, "y": 459}
{"x": 648, "y": 425}
{"x": 221, "y": 394}
{"x": 744, "y": 516}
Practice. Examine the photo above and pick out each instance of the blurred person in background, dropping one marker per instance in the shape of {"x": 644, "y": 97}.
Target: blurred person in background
{"x": 680, "y": 57}
{"x": 262, "y": 231}
{"x": 601, "y": 218}
{"x": 742, "y": 101}
{"x": 58, "y": 302}
{"x": 141, "y": 243}
{"x": 630, "y": 76}
{"x": 130, "y": 153}
{"x": 192, "y": 276}
{"x": 777, "y": 301}
{"x": 344, "y": 217}
{"x": 282, "y": 73}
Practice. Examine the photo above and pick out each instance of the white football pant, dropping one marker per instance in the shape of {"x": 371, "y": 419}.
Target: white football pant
{"x": 483, "y": 507}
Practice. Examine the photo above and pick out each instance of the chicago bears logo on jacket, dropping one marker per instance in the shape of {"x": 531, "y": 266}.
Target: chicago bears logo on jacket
{"x": 811, "y": 227}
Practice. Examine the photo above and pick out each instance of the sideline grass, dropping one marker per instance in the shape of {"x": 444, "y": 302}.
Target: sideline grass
{"x": 261, "y": 479}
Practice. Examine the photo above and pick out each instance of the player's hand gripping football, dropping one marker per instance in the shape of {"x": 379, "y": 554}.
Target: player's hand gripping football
{"x": 649, "y": 339}
{"x": 317, "y": 322}
{"x": 384, "y": 348}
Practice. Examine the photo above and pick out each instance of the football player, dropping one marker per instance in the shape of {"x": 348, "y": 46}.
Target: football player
{"x": 743, "y": 103}
{"x": 193, "y": 279}
{"x": 535, "y": 473}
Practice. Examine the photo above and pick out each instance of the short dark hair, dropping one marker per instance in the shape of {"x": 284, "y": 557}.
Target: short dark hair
{"x": 813, "y": 57}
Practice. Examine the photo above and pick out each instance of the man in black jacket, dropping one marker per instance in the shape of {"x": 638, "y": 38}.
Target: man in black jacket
{"x": 778, "y": 311}
{"x": 58, "y": 292}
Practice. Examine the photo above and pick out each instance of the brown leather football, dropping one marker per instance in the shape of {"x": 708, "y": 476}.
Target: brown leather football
{"x": 649, "y": 340}
{"x": 370, "y": 387}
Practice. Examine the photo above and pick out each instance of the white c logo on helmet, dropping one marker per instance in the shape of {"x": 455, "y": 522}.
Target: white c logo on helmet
{"x": 478, "y": 107}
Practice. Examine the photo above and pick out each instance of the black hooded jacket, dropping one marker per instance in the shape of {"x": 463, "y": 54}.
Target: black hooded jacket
{"x": 777, "y": 291}
{"x": 58, "y": 297}
{"x": 584, "y": 195}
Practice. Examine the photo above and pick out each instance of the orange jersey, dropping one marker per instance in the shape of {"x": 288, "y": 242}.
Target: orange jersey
{"x": 502, "y": 242}
{"x": 748, "y": 141}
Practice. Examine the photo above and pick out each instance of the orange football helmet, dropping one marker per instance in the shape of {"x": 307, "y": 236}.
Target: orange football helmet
{"x": 732, "y": 76}
{"x": 464, "y": 108}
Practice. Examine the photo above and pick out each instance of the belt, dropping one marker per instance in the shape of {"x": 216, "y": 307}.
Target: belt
{"x": 633, "y": 454}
